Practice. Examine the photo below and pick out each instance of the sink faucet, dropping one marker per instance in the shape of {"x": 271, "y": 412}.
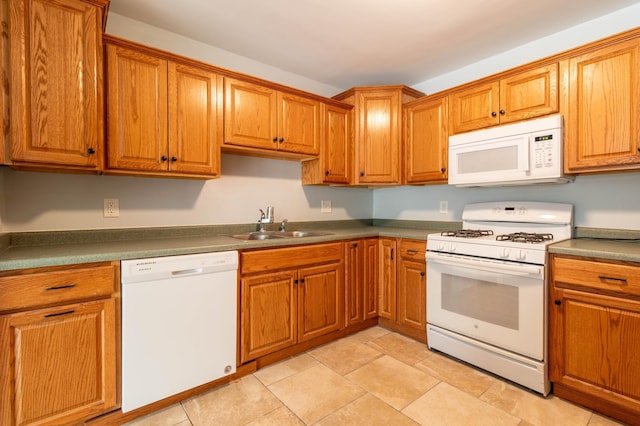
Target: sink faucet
{"x": 265, "y": 218}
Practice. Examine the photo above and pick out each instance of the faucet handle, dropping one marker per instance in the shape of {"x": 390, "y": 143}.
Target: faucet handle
{"x": 283, "y": 225}
{"x": 262, "y": 216}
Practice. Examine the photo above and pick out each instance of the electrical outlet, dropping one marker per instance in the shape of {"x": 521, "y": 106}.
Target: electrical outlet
{"x": 444, "y": 206}
{"x": 325, "y": 206}
{"x": 111, "y": 207}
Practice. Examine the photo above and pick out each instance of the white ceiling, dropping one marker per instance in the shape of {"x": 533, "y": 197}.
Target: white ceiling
{"x": 345, "y": 43}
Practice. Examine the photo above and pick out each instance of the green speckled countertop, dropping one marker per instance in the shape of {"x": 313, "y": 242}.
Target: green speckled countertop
{"x": 601, "y": 243}
{"x": 36, "y": 249}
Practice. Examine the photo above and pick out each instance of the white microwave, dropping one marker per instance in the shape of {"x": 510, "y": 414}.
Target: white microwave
{"x": 514, "y": 154}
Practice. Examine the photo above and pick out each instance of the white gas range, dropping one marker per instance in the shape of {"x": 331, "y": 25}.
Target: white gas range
{"x": 487, "y": 287}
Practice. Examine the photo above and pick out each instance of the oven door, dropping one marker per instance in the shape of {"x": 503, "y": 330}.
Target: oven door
{"x": 500, "y": 303}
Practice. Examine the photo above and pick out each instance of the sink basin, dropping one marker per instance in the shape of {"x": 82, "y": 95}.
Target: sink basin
{"x": 268, "y": 235}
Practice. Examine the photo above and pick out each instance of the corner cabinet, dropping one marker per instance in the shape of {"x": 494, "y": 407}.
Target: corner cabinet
{"x": 603, "y": 120}
{"x": 377, "y": 131}
{"x": 594, "y": 334}
{"x": 527, "y": 94}
{"x": 361, "y": 280}
{"x": 288, "y": 296}
{"x": 261, "y": 119}
{"x": 426, "y": 140}
{"x": 58, "y": 344}
{"x": 55, "y": 84}
{"x": 164, "y": 116}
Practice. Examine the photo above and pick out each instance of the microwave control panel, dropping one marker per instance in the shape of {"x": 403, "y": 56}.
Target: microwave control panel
{"x": 543, "y": 151}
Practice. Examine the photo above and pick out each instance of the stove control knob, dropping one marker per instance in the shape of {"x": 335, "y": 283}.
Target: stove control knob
{"x": 505, "y": 253}
{"x": 452, "y": 248}
{"x": 441, "y": 246}
{"x": 522, "y": 255}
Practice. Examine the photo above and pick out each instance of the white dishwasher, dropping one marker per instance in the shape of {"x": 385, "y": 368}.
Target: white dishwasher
{"x": 178, "y": 324}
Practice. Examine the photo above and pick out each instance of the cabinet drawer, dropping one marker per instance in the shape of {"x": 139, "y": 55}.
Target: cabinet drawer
{"x": 597, "y": 275}
{"x": 55, "y": 286}
{"x": 413, "y": 249}
{"x": 289, "y": 257}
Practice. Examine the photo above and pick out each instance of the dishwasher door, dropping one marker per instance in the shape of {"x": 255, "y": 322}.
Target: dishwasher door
{"x": 178, "y": 324}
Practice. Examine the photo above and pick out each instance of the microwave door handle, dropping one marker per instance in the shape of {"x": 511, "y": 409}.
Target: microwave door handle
{"x": 487, "y": 266}
{"x": 527, "y": 154}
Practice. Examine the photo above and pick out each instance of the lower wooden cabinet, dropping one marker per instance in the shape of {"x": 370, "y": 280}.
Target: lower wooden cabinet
{"x": 595, "y": 335}
{"x": 58, "y": 363}
{"x": 289, "y": 295}
{"x": 361, "y": 280}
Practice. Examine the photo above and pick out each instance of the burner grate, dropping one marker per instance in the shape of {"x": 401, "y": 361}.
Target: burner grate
{"x": 467, "y": 233}
{"x": 525, "y": 237}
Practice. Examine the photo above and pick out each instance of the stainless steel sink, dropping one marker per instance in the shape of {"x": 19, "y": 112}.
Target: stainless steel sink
{"x": 268, "y": 235}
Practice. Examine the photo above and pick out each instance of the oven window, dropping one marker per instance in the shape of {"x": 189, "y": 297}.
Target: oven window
{"x": 488, "y": 160}
{"x": 482, "y": 300}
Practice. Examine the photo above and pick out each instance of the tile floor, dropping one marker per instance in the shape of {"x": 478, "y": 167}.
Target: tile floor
{"x": 375, "y": 377}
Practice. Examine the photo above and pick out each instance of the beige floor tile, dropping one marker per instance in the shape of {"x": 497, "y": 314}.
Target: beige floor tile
{"x": 169, "y": 416}
{"x": 369, "y": 334}
{"x": 344, "y": 356}
{"x": 393, "y": 381}
{"x": 285, "y": 368}
{"x": 280, "y": 417}
{"x": 447, "y": 405}
{"x": 367, "y": 410}
{"x": 315, "y": 393}
{"x": 600, "y": 420}
{"x": 237, "y": 403}
{"x": 534, "y": 408}
{"x": 400, "y": 347}
{"x": 456, "y": 374}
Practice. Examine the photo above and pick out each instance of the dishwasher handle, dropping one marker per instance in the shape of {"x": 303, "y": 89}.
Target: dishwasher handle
{"x": 187, "y": 271}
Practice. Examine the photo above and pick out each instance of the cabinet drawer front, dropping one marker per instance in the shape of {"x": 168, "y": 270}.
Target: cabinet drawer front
{"x": 47, "y": 288}
{"x": 413, "y": 249}
{"x": 289, "y": 257}
{"x": 597, "y": 275}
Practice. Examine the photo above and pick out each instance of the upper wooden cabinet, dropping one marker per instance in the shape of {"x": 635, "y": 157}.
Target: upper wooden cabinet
{"x": 527, "y": 94}
{"x": 426, "y": 141}
{"x": 378, "y": 130}
{"x": 603, "y": 120}
{"x": 265, "y": 120}
{"x": 163, "y": 116}
{"x": 56, "y": 84}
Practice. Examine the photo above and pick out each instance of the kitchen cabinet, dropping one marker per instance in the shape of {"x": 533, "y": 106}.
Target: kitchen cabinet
{"x": 288, "y": 296}
{"x": 526, "y": 94}
{"x": 377, "y": 131}
{"x": 164, "y": 116}
{"x": 603, "y": 123}
{"x": 58, "y": 347}
{"x": 261, "y": 119}
{"x": 334, "y": 166}
{"x": 426, "y": 139}
{"x": 361, "y": 284}
{"x": 55, "y": 83}
{"x": 595, "y": 334}
{"x": 387, "y": 266}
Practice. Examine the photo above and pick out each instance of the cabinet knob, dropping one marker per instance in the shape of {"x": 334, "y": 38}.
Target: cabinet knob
{"x": 502, "y": 112}
{"x": 174, "y": 159}
{"x": 361, "y": 173}
{"x": 422, "y": 274}
{"x": 493, "y": 113}
{"x": 91, "y": 151}
{"x": 281, "y": 140}
{"x": 302, "y": 281}
{"x": 326, "y": 172}
{"x": 355, "y": 245}
{"x": 558, "y": 302}
{"x": 442, "y": 170}
{"x": 163, "y": 158}
{"x": 275, "y": 139}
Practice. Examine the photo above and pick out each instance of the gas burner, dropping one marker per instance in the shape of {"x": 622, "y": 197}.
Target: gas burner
{"x": 525, "y": 237}
{"x": 467, "y": 233}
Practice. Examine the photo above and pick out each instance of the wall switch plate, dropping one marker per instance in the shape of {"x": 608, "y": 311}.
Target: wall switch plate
{"x": 325, "y": 206}
{"x": 444, "y": 206}
{"x": 111, "y": 207}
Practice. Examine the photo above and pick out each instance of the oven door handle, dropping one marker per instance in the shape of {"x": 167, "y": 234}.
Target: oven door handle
{"x": 488, "y": 266}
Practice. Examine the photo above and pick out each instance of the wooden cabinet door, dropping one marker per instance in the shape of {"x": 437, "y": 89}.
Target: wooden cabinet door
{"x": 320, "y": 300}
{"x": 58, "y": 365}
{"x": 137, "y": 110}
{"x": 268, "y": 313}
{"x": 530, "y": 94}
{"x": 412, "y": 294}
{"x": 594, "y": 344}
{"x": 195, "y": 121}
{"x": 250, "y": 115}
{"x": 387, "y": 278}
{"x": 378, "y": 136}
{"x": 426, "y": 141}
{"x": 370, "y": 278}
{"x": 56, "y": 82}
{"x": 603, "y": 123}
{"x": 475, "y": 108}
{"x": 298, "y": 124}
{"x": 338, "y": 145}
{"x": 354, "y": 265}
